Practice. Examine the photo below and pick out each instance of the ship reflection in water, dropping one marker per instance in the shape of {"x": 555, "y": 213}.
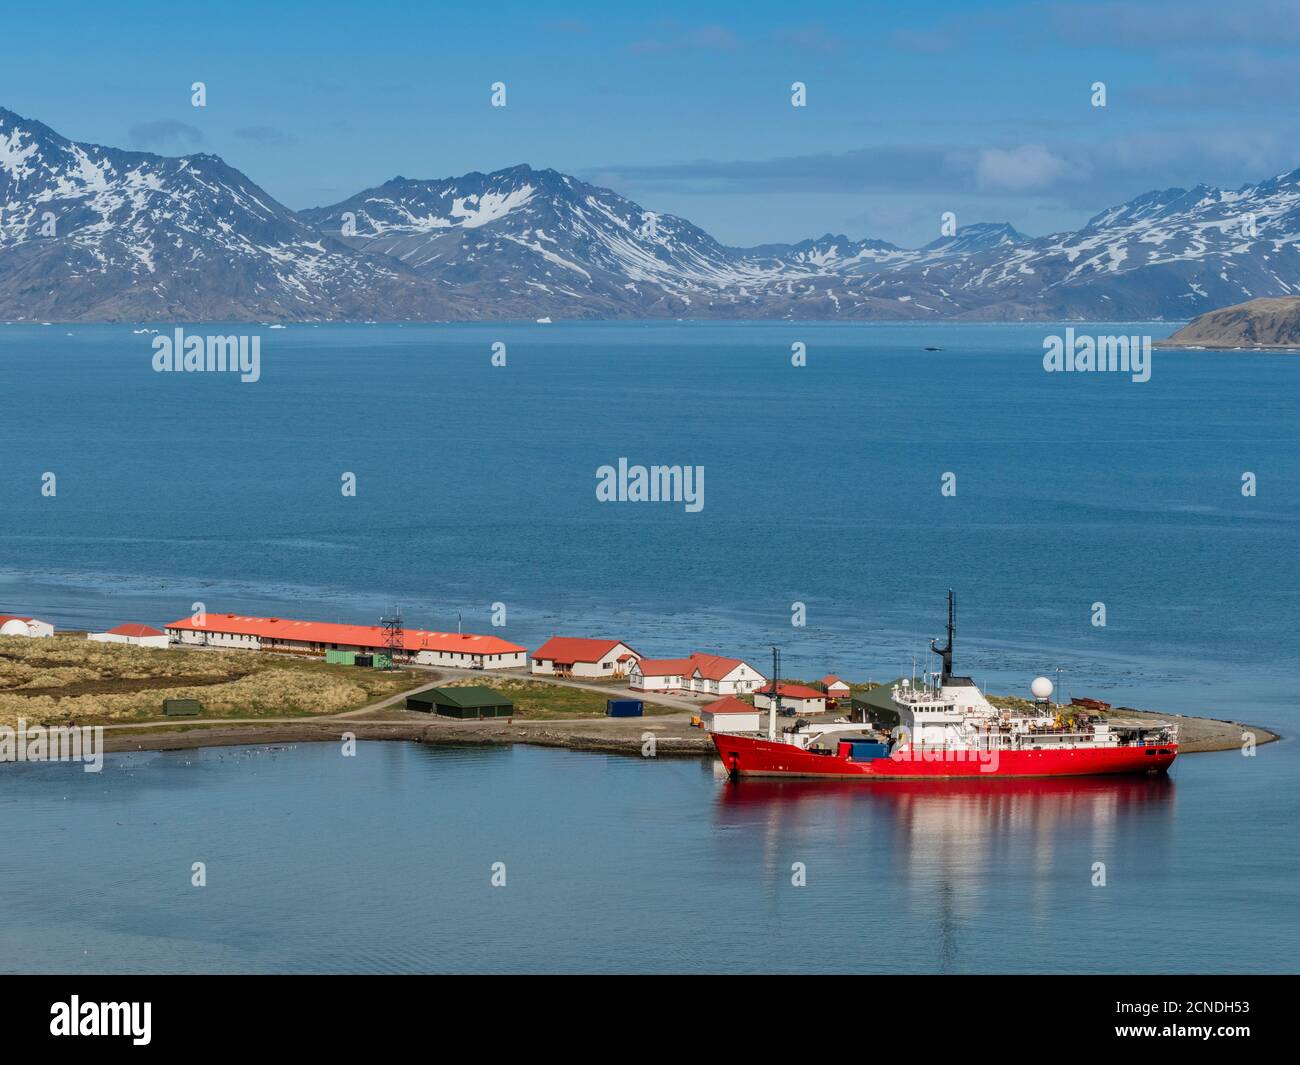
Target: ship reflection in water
{"x": 946, "y": 857}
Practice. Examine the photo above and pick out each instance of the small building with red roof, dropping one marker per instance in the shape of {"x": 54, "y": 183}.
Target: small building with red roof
{"x": 792, "y": 699}
{"x": 729, "y": 714}
{"x": 132, "y": 632}
{"x": 718, "y": 675}
{"x": 697, "y": 673}
{"x": 661, "y": 674}
{"x": 578, "y": 656}
{"x": 834, "y": 687}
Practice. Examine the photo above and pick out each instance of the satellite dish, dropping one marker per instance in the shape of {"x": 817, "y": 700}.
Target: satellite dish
{"x": 1041, "y": 687}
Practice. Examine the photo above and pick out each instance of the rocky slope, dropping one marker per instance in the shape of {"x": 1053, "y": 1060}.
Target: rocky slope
{"x": 1261, "y": 323}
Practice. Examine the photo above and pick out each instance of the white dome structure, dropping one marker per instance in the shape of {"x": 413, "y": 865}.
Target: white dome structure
{"x": 1041, "y": 687}
{"x": 17, "y": 625}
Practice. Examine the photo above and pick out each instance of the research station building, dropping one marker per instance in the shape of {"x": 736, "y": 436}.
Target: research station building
{"x": 463, "y": 650}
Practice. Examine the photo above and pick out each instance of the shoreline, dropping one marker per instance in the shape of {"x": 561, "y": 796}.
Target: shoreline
{"x": 673, "y": 735}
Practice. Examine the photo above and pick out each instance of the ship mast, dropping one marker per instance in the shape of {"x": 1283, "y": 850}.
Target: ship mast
{"x": 776, "y": 693}
{"x": 945, "y": 652}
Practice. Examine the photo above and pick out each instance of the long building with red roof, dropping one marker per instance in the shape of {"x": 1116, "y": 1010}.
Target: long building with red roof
{"x": 462, "y": 649}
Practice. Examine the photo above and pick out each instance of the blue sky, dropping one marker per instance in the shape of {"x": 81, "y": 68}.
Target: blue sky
{"x": 914, "y": 109}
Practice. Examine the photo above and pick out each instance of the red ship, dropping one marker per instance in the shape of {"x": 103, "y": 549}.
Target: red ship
{"x": 947, "y": 728}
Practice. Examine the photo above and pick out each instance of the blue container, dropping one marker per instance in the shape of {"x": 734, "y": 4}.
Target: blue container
{"x": 623, "y": 707}
{"x": 865, "y": 750}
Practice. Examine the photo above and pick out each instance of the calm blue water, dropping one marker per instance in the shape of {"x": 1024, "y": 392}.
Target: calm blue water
{"x": 476, "y": 485}
{"x": 382, "y": 863}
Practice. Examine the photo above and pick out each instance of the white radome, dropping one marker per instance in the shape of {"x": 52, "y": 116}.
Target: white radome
{"x": 14, "y": 627}
{"x": 1041, "y": 687}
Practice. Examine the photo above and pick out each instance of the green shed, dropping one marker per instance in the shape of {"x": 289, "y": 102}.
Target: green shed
{"x": 469, "y": 702}
{"x": 182, "y": 707}
{"x": 876, "y": 706}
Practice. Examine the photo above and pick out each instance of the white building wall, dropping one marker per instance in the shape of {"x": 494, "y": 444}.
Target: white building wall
{"x": 730, "y": 722}
{"x": 742, "y": 680}
{"x": 658, "y": 683}
{"x": 191, "y": 638}
{"x": 798, "y": 706}
{"x": 35, "y": 627}
{"x": 607, "y": 666}
{"x": 136, "y": 641}
{"x": 466, "y": 660}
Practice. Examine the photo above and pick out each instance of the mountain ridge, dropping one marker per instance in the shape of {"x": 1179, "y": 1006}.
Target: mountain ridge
{"x": 144, "y": 237}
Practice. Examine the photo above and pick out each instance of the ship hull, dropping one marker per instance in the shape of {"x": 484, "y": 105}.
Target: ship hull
{"x": 748, "y": 756}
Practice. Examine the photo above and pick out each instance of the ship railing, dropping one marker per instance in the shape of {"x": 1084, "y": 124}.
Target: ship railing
{"x": 1122, "y": 738}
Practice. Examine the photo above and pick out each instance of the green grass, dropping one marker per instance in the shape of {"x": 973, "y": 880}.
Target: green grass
{"x": 537, "y": 700}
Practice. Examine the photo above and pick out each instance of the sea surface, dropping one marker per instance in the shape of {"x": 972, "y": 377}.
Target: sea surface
{"x": 476, "y": 486}
{"x": 384, "y": 863}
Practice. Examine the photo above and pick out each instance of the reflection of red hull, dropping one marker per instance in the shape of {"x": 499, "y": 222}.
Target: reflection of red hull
{"x": 755, "y": 757}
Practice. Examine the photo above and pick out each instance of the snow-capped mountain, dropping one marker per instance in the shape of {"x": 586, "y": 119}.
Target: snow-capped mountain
{"x": 523, "y": 239}
{"x": 1171, "y": 254}
{"x": 982, "y": 236}
{"x": 88, "y": 232}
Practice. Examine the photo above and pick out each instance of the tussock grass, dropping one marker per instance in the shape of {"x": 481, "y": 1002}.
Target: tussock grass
{"x": 53, "y": 680}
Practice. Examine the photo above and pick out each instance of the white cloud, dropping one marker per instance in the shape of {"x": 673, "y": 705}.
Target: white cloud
{"x": 1028, "y": 167}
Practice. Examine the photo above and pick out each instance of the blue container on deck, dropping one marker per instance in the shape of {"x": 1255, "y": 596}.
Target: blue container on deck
{"x": 865, "y": 750}
{"x": 623, "y": 707}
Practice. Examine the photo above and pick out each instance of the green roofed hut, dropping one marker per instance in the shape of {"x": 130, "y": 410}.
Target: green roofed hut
{"x": 469, "y": 702}
{"x": 182, "y": 707}
{"x": 875, "y": 706}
